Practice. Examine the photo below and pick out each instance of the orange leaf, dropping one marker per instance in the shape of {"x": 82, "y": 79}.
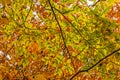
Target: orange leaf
{"x": 45, "y": 14}
{"x": 52, "y": 36}
{"x": 34, "y": 48}
{"x": 5, "y": 2}
{"x": 4, "y": 20}
{"x": 57, "y": 29}
{"x": 68, "y": 29}
{"x": 55, "y": 1}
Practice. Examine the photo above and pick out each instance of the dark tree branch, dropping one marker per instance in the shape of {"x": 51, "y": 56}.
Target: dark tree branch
{"x": 78, "y": 31}
{"x": 61, "y": 32}
{"x": 95, "y": 3}
{"x": 86, "y": 70}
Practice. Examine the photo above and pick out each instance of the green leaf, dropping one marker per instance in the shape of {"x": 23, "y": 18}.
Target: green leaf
{"x": 25, "y": 62}
{"x": 117, "y": 56}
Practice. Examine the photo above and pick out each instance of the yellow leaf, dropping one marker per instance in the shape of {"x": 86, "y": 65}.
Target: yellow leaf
{"x": 34, "y": 48}
{"x": 40, "y": 77}
{"x": 69, "y": 61}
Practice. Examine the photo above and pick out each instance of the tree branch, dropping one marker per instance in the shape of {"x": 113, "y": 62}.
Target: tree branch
{"x": 86, "y": 70}
{"x": 61, "y": 32}
{"x": 58, "y": 24}
{"x": 96, "y": 3}
{"x": 78, "y": 31}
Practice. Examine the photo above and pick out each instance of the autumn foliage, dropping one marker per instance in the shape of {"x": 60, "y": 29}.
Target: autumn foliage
{"x": 59, "y": 40}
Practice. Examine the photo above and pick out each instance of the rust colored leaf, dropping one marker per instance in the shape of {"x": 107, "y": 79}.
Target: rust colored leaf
{"x": 4, "y": 21}
{"x": 56, "y": 1}
{"x": 5, "y": 2}
{"x": 68, "y": 29}
{"x": 34, "y": 48}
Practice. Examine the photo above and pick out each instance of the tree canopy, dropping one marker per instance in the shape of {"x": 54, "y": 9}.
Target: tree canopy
{"x": 59, "y": 39}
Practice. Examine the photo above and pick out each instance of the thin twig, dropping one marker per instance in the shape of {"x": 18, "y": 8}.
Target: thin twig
{"x": 29, "y": 11}
{"x": 96, "y": 3}
{"x": 86, "y": 70}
